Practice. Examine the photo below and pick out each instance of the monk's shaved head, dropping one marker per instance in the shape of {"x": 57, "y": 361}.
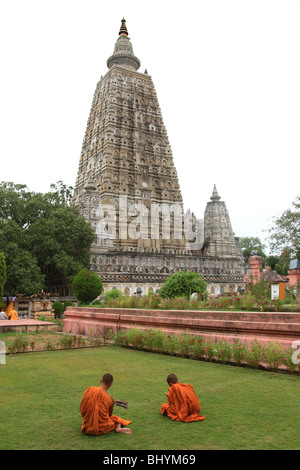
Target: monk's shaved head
{"x": 107, "y": 379}
{"x": 172, "y": 379}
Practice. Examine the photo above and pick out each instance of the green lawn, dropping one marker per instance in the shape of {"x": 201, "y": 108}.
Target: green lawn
{"x": 40, "y": 394}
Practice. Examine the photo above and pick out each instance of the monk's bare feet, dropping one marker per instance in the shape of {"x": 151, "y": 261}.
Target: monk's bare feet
{"x": 123, "y": 430}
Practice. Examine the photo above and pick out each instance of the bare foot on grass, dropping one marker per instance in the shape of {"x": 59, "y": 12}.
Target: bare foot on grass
{"x": 123, "y": 430}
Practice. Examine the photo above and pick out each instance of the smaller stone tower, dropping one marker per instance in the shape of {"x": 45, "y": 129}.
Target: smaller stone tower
{"x": 219, "y": 239}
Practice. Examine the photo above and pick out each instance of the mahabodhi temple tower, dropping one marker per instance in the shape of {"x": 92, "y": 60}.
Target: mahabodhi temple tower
{"x": 127, "y": 188}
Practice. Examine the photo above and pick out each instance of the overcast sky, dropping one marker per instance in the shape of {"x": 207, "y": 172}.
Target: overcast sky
{"x": 227, "y": 76}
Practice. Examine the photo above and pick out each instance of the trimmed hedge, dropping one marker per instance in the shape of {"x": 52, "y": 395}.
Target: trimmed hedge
{"x": 255, "y": 355}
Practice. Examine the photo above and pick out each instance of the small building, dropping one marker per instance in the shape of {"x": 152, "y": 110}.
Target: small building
{"x": 276, "y": 281}
{"x": 294, "y": 272}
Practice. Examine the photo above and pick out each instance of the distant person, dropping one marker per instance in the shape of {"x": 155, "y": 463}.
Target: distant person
{"x": 3, "y": 315}
{"x": 183, "y": 403}
{"x": 96, "y": 409}
{"x": 13, "y": 314}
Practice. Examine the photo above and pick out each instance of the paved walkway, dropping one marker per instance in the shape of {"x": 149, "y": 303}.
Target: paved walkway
{"x": 26, "y": 324}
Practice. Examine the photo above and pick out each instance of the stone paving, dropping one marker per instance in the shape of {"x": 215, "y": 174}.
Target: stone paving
{"x": 26, "y": 325}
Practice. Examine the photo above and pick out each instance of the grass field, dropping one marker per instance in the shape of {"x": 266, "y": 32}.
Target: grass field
{"x": 40, "y": 395}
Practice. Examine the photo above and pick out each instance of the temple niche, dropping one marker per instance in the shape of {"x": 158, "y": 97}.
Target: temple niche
{"x": 127, "y": 187}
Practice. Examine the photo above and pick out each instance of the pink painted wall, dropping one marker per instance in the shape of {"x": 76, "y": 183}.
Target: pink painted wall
{"x": 294, "y": 276}
{"x": 255, "y": 264}
{"x": 231, "y": 325}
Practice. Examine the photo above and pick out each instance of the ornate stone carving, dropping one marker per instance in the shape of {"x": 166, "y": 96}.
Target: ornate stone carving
{"x": 126, "y": 152}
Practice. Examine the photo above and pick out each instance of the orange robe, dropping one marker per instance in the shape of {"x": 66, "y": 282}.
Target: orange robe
{"x": 96, "y": 409}
{"x": 183, "y": 404}
{"x": 13, "y": 314}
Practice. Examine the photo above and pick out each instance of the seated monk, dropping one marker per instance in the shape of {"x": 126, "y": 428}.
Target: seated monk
{"x": 183, "y": 403}
{"x": 96, "y": 408}
{"x": 13, "y": 314}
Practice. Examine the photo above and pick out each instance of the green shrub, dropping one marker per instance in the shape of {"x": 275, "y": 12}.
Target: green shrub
{"x": 222, "y": 351}
{"x": 87, "y": 286}
{"x": 260, "y": 289}
{"x": 194, "y": 347}
{"x": 287, "y": 360}
{"x": 112, "y": 294}
{"x": 183, "y": 285}
{"x": 248, "y": 302}
{"x": 210, "y": 351}
{"x": 66, "y": 341}
{"x": 254, "y": 354}
{"x": 58, "y": 308}
{"x": 153, "y": 340}
{"x": 197, "y": 347}
{"x": 238, "y": 352}
{"x": 170, "y": 344}
{"x": 273, "y": 354}
{"x": 154, "y": 300}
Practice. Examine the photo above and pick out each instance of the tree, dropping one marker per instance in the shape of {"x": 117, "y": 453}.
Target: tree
{"x": 42, "y": 237}
{"x": 23, "y": 273}
{"x": 284, "y": 270}
{"x": 250, "y": 244}
{"x": 272, "y": 261}
{"x": 285, "y": 232}
{"x": 278, "y": 268}
{"x": 183, "y": 284}
{"x": 87, "y": 286}
{"x": 2, "y": 277}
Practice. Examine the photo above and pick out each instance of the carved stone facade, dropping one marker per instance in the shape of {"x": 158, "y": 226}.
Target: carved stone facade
{"x": 127, "y": 188}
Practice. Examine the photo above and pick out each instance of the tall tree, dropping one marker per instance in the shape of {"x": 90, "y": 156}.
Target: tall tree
{"x": 285, "y": 232}
{"x": 2, "y": 276}
{"x": 41, "y": 236}
{"x": 183, "y": 284}
{"x": 250, "y": 244}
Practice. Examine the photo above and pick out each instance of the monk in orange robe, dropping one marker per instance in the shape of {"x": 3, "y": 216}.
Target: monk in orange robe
{"x": 96, "y": 409}
{"x": 13, "y": 314}
{"x": 183, "y": 403}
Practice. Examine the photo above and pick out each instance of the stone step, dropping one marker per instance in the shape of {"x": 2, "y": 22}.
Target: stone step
{"x": 27, "y": 326}
{"x": 278, "y": 317}
{"x": 233, "y": 325}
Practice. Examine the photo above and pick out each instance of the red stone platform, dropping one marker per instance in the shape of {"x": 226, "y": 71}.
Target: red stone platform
{"x": 229, "y": 325}
{"x": 27, "y": 325}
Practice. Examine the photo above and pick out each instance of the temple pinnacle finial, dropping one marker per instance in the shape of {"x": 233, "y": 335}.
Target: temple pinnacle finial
{"x": 123, "y": 29}
{"x": 215, "y": 196}
{"x": 123, "y": 53}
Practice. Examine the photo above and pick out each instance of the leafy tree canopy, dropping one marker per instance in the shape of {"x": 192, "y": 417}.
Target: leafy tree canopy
{"x": 285, "y": 232}
{"x": 41, "y": 235}
{"x": 2, "y": 276}
{"x": 250, "y": 244}
{"x": 183, "y": 284}
{"x": 272, "y": 260}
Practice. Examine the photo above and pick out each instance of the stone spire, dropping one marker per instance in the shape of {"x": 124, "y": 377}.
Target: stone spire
{"x": 126, "y": 152}
{"x": 215, "y": 196}
{"x": 218, "y": 233}
{"x": 126, "y": 169}
{"x": 123, "y": 52}
{"x": 123, "y": 30}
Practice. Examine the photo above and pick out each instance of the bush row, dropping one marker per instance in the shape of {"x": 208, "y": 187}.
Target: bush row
{"x": 246, "y": 302}
{"x": 194, "y": 347}
{"x": 67, "y": 341}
